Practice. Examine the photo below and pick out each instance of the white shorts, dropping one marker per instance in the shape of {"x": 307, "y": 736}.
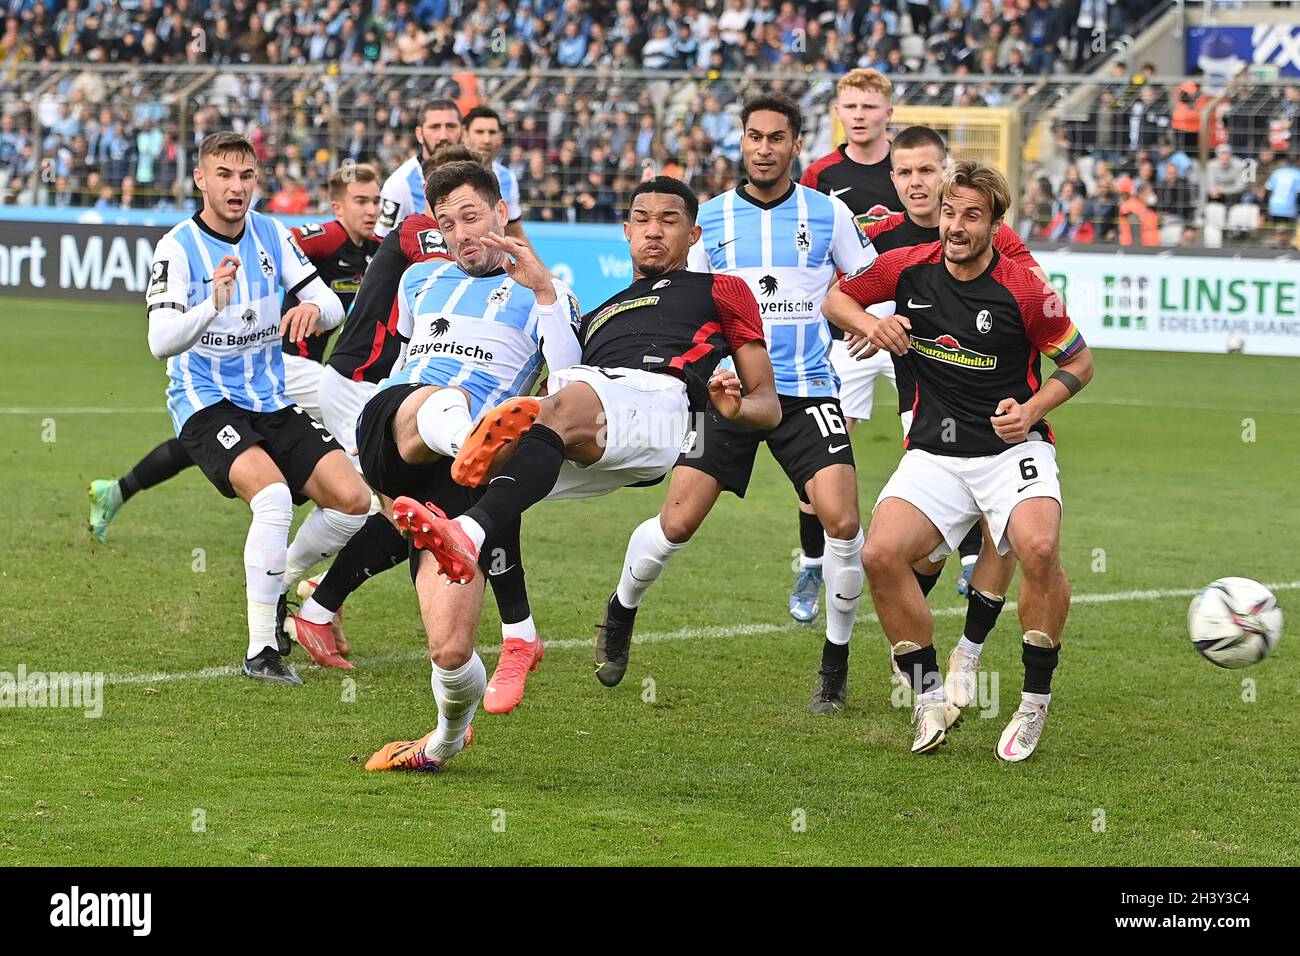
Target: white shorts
{"x": 647, "y": 419}
{"x": 954, "y": 492}
{"x": 858, "y": 379}
{"x": 341, "y": 401}
{"x": 301, "y": 379}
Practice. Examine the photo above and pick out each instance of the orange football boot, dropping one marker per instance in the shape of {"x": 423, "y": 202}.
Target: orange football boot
{"x": 519, "y": 658}
{"x": 498, "y": 428}
{"x": 431, "y": 530}
{"x": 409, "y": 755}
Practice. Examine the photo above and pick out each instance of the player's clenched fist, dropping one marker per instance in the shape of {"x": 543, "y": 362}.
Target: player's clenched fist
{"x": 891, "y": 334}
{"x": 1012, "y": 421}
{"x": 223, "y": 282}
{"x": 300, "y": 321}
{"x": 724, "y": 392}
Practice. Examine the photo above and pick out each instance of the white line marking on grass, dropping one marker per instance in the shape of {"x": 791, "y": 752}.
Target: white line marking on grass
{"x": 682, "y": 634}
{"x": 83, "y": 410}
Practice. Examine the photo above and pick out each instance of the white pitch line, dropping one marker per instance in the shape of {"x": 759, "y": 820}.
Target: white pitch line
{"x": 682, "y": 634}
{"x": 1190, "y": 407}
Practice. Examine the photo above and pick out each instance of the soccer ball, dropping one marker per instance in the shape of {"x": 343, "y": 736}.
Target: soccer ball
{"x": 1236, "y": 344}
{"x": 1234, "y": 622}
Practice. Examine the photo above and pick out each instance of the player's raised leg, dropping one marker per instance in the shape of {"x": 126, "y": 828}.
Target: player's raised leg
{"x": 991, "y": 577}
{"x": 834, "y": 494}
{"x": 107, "y": 496}
{"x": 1034, "y": 531}
{"x": 450, "y": 614}
{"x": 691, "y": 495}
{"x": 900, "y": 535}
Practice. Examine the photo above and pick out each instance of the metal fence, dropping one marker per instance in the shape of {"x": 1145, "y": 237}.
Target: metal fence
{"x": 1101, "y": 158}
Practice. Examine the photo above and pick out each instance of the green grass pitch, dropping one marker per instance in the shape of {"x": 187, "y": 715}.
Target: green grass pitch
{"x": 1176, "y": 469}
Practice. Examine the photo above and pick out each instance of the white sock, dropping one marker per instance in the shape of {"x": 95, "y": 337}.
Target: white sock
{"x": 970, "y": 647}
{"x": 969, "y": 559}
{"x": 1043, "y": 699}
{"x": 524, "y": 630}
{"x": 474, "y": 530}
{"x": 936, "y": 696}
{"x": 313, "y": 611}
{"x": 806, "y": 563}
{"x": 443, "y": 421}
{"x": 648, "y": 551}
{"x": 264, "y": 561}
{"x": 323, "y": 533}
{"x": 457, "y": 694}
{"x": 844, "y": 581}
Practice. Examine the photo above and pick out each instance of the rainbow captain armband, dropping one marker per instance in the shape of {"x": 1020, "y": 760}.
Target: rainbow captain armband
{"x": 1071, "y": 344}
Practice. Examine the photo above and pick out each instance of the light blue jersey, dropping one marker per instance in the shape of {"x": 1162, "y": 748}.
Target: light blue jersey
{"x": 234, "y": 354}
{"x": 403, "y": 194}
{"x": 788, "y": 253}
{"x": 481, "y": 334}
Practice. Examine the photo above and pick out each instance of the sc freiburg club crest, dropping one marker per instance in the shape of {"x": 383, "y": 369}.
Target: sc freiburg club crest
{"x": 768, "y": 285}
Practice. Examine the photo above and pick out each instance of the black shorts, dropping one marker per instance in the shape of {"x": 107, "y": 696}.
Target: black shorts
{"x": 215, "y": 436}
{"x": 811, "y": 436}
{"x": 384, "y": 468}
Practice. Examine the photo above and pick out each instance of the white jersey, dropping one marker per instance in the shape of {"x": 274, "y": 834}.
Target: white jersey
{"x": 403, "y": 194}
{"x": 486, "y": 335}
{"x": 233, "y": 354}
{"x": 788, "y": 253}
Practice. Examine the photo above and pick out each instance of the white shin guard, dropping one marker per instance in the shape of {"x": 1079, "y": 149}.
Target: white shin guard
{"x": 457, "y": 694}
{"x": 844, "y": 576}
{"x": 264, "y": 561}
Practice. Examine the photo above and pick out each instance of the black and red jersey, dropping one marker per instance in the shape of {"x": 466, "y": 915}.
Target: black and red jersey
{"x": 973, "y": 342}
{"x": 865, "y": 188}
{"x": 680, "y": 323}
{"x": 369, "y": 344}
{"x": 341, "y": 264}
{"x": 899, "y": 232}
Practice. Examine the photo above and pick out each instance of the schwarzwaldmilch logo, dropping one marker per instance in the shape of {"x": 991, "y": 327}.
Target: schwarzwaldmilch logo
{"x": 768, "y": 285}
{"x": 440, "y": 327}
{"x": 946, "y": 348}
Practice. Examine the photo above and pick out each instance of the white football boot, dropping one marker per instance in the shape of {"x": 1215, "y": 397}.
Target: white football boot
{"x": 1021, "y": 736}
{"x": 933, "y": 721}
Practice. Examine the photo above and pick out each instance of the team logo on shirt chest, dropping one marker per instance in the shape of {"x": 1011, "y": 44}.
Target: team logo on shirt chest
{"x": 947, "y": 349}
{"x": 499, "y": 296}
{"x": 803, "y": 238}
{"x": 984, "y": 321}
{"x": 268, "y": 267}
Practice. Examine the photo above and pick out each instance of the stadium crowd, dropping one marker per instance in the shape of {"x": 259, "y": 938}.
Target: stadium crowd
{"x": 579, "y": 142}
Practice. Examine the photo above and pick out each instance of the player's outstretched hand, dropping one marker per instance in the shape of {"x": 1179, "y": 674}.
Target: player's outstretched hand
{"x": 891, "y": 334}
{"x": 223, "y": 282}
{"x": 724, "y": 392}
{"x": 859, "y": 346}
{"x": 521, "y": 264}
{"x": 300, "y": 321}
{"x": 1011, "y": 421}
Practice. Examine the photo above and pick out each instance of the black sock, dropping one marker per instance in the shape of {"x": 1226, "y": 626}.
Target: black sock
{"x": 981, "y": 614}
{"x": 927, "y": 581}
{"x": 921, "y": 669}
{"x": 502, "y": 552}
{"x": 166, "y": 461}
{"x": 533, "y": 468}
{"x": 1039, "y": 663}
{"x": 618, "y": 613}
{"x": 377, "y": 547}
{"x": 971, "y": 544}
{"x": 812, "y": 536}
{"x": 835, "y": 655}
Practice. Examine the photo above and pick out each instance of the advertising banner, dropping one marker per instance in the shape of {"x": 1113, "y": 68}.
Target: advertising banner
{"x": 1180, "y": 303}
